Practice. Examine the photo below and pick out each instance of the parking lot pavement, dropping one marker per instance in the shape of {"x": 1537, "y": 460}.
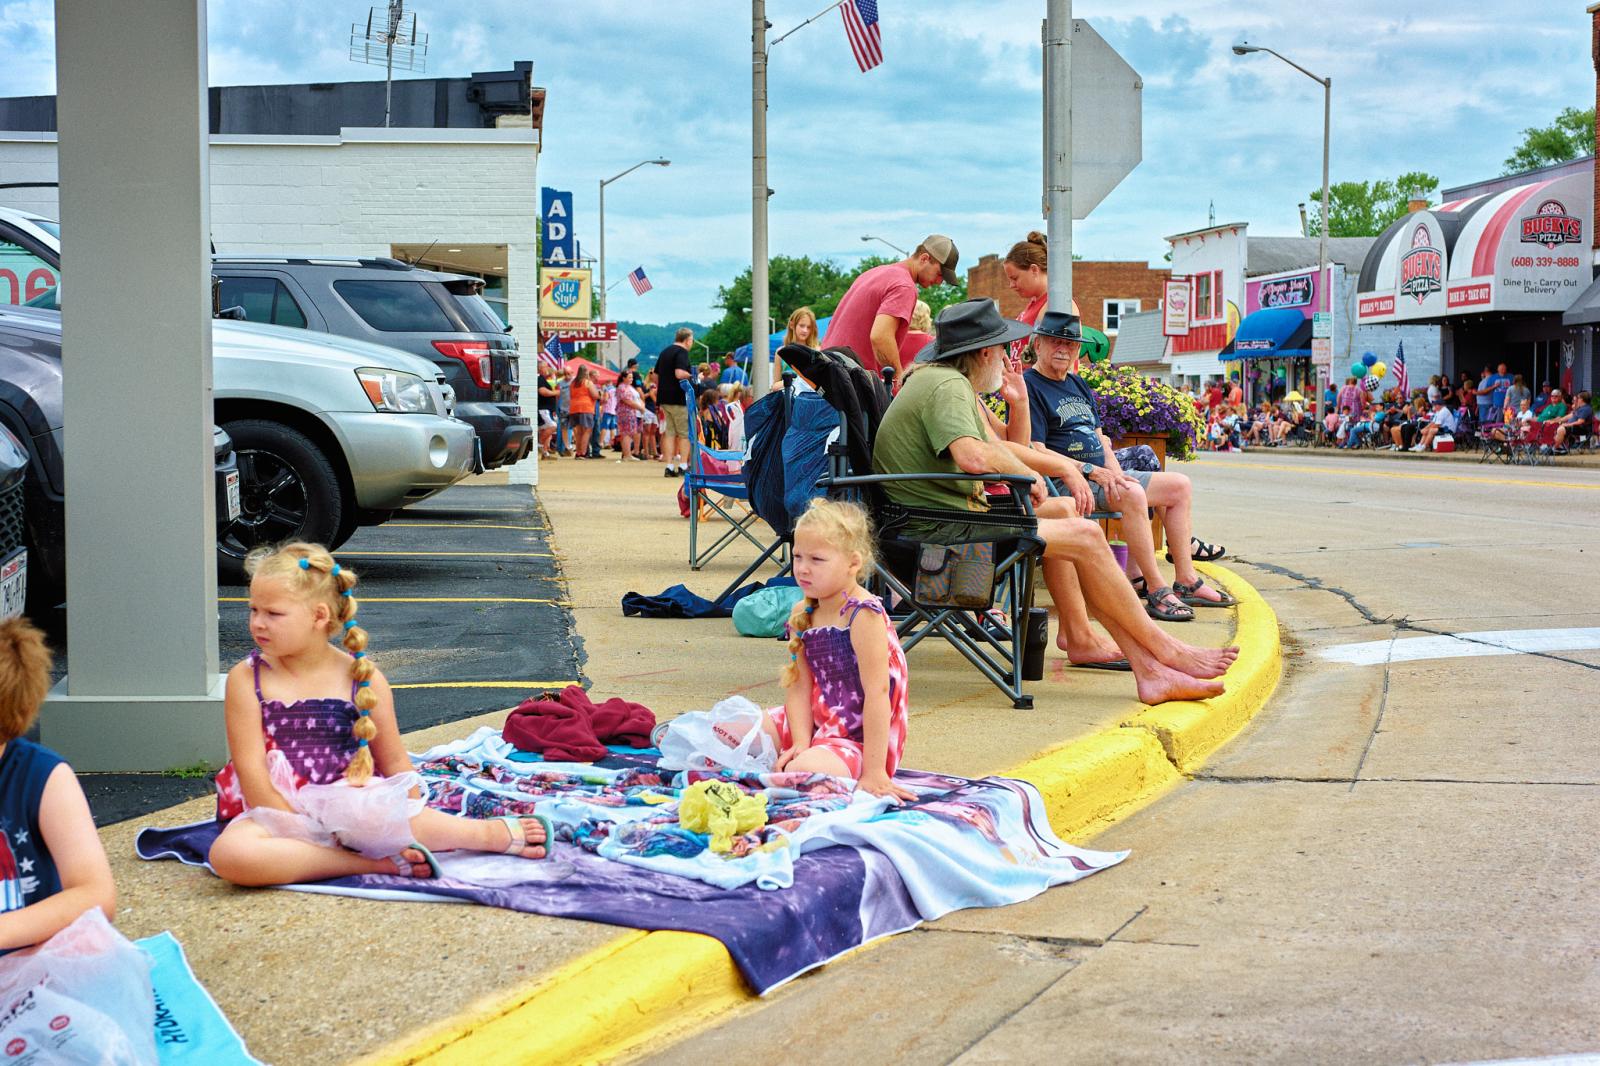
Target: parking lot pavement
{"x": 463, "y": 601}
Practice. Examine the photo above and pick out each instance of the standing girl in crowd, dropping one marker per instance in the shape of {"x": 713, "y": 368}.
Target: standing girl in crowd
{"x": 584, "y": 395}
{"x": 630, "y": 405}
{"x": 608, "y": 418}
{"x": 802, "y": 330}
{"x": 309, "y": 725}
{"x": 845, "y": 698}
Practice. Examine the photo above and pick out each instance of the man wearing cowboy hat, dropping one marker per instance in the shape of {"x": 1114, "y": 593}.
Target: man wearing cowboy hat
{"x": 934, "y": 426}
{"x": 1065, "y": 420}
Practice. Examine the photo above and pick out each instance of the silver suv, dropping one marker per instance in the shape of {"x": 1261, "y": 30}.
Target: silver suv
{"x": 441, "y": 317}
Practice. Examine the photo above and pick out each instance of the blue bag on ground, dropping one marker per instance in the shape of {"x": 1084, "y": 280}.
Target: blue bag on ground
{"x": 764, "y": 613}
{"x": 190, "y": 1028}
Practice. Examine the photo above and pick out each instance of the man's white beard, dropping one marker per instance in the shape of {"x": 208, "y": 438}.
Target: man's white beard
{"x": 991, "y": 378}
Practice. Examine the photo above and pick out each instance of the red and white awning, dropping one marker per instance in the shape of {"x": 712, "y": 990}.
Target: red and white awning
{"x": 1523, "y": 249}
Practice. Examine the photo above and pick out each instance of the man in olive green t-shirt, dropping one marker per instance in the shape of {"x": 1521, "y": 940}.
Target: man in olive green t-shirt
{"x": 934, "y": 426}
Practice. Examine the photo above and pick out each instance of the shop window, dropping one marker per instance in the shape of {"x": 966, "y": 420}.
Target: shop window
{"x": 1202, "y": 297}
{"x": 1114, "y": 310}
{"x": 395, "y": 306}
{"x": 263, "y": 300}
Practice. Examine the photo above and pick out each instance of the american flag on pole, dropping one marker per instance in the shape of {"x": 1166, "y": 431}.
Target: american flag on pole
{"x": 1401, "y": 384}
{"x": 861, "y": 26}
{"x": 640, "y": 283}
{"x": 550, "y": 355}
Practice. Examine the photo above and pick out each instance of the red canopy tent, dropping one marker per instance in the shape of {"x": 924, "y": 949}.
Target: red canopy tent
{"x": 596, "y": 371}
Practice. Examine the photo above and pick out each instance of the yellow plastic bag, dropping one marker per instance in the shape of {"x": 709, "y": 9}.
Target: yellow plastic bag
{"x": 722, "y": 809}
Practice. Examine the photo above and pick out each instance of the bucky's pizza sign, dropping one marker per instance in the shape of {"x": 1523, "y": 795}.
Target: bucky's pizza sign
{"x": 1551, "y": 226}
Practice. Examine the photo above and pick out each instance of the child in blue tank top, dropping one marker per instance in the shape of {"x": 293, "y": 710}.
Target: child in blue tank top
{"x": 52, "y": 865}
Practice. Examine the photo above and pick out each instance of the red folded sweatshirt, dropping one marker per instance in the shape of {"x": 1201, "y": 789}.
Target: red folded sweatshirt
{"x": 572, "y": 728}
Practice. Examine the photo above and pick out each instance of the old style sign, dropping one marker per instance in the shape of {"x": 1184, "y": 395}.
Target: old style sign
{"x": 565, "y": 295}
{"x": 1175, "y": 300}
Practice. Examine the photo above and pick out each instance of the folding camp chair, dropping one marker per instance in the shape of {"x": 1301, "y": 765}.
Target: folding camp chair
{"x": 710, "y": 484}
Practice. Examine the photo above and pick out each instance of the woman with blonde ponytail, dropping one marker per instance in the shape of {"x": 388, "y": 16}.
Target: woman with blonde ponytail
{"x": 318, "y": 783}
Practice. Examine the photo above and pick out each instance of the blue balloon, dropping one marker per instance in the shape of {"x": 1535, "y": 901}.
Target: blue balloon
{"x": 1368, "y": 359}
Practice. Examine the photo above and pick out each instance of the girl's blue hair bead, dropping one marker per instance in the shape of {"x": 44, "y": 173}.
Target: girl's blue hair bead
{"x": 348, "y": 592}
{"x": 305, "y": 564}
{"x": 363, "y": 684}
{"x": 359, "y": 655}
{"x": 335, "y": 570}
{"x": 361, "y": 743}
{"x": 350, "y": 625}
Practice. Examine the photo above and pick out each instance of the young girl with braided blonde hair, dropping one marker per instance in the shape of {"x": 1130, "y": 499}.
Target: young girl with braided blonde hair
{"x": 318, "y": 783}
{"x": 845, "y": 684}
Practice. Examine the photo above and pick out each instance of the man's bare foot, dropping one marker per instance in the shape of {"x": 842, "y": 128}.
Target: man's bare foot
{"x": 1098, "y": 650}
{"x": 1198, "y": 662}
{"x": 1158, "y": 683}
{"x": 499, "y": 838}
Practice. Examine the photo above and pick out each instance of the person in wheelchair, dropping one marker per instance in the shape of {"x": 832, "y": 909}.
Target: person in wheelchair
{"x": 934, "y": 425}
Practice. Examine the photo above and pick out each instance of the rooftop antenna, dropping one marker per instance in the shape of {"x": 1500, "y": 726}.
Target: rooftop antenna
{"x": 386, "y": 39}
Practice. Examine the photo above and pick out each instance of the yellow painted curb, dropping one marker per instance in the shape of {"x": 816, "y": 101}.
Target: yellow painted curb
{"x": 647, "y": 988}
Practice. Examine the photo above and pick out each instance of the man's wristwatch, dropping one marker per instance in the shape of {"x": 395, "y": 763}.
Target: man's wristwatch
{"x": 1088, "y": 468}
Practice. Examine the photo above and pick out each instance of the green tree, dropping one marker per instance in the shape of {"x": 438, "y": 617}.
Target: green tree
{"x": 792, "y": 282}
{"x": 1366, "y": 208}
{"x": 1571, "y": 135}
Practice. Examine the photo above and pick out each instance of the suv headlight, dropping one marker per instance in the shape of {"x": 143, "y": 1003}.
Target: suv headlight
{"x": 397, "y": 392}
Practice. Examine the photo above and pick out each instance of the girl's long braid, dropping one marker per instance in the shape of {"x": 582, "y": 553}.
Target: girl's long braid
{"x": 799, "y": 622}
{"x": 355, "y": 642}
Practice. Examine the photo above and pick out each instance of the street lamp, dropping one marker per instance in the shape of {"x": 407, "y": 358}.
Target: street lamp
{"x": 1244, "y": 48}
{"x": 880, "y": 240}
{"x": 603, "y": 184}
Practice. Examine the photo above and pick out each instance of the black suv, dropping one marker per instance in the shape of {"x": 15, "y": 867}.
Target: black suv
{"x": 442, "y": 317}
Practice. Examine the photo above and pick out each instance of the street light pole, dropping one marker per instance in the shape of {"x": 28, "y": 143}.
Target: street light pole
{"x": 761, "y": 367}
{"x": 1325, "y": 299}
{"x": 1058, "y": 151}
{"x": 604, "y": 182}
{"x": 880, "y": 240}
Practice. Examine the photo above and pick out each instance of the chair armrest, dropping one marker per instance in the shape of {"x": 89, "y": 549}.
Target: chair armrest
{"x": 883, "y": 479}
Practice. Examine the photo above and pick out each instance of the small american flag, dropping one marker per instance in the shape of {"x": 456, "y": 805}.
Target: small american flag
{"x": 640, "y": 283}
{"x": 550, "y": 355}
{"x": 1401, "y": 383}
{"x": 861, "y": 26}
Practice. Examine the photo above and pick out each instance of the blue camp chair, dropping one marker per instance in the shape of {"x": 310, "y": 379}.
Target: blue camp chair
{"x": 715, "y": 491}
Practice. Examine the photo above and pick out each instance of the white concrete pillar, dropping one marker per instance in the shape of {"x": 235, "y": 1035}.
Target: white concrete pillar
{"x": 143, "y": 692}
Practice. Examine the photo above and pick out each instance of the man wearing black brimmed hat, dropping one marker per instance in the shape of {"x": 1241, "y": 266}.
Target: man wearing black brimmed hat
{"x": 1065, "y": 419}
{"x": 875, "y": 313}
{"x": 934, "y": 426}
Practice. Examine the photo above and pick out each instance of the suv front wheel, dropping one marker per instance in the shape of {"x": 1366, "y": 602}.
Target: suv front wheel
{"x": 288, "y": 491}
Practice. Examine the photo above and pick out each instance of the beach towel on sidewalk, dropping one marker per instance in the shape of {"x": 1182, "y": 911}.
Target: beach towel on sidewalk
{"x": 191, "y": 1029}
{"x": 679, "y": 602}
{"x": 854, "y": 870}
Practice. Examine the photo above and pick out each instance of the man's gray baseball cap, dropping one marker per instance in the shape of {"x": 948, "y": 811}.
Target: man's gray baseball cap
{"x": 943, "y": 250}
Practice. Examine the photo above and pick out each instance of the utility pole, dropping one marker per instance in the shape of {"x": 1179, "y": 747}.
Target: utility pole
{"x": 1058, "y": 150}
{"x": 760, "y": 351}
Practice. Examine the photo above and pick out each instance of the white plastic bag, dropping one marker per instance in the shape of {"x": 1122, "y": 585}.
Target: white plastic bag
{"x": 45, "y": 997}
{"x": 727, "y": 737}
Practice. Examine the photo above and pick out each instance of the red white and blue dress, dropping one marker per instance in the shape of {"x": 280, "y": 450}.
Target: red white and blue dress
{"x": 838, "y": 702}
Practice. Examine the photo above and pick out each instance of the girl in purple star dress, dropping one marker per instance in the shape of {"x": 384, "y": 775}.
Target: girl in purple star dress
{"x": 846, "y": 695}
{"x": 318, "y": 783}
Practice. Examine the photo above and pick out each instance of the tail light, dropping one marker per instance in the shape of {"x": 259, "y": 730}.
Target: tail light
{"x": 479, "y": 359}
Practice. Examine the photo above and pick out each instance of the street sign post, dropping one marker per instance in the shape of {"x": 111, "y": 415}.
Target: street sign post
{"x": 1322, "y": 325}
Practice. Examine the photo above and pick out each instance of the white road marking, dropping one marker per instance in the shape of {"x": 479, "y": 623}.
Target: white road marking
{"x": 1464, "y": 645}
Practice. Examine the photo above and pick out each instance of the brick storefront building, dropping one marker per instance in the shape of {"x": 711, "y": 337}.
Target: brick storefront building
{"x": 1102, "y": 287}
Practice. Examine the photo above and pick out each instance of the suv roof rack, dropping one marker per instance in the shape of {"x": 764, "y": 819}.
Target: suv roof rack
{"x": 381, "y": 262}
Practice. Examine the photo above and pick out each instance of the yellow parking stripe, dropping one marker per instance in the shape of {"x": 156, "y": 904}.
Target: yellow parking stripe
{"x": 491, "y": 555}
{"x": 429, "y": 599}
{"x": 487, "y": 684}
{"x": 458, "y": 525}
{"x": 1417, "y": 477}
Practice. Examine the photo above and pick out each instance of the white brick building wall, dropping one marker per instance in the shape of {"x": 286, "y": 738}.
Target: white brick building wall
{"x": 354, "y": 194}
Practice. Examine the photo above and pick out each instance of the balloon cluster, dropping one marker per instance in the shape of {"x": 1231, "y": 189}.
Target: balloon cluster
{"x": 1370, "y": 371}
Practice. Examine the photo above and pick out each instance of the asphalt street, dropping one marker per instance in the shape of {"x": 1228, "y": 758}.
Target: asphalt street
{"x": 452, "y": 593}
{"x": 1392, "y": 863}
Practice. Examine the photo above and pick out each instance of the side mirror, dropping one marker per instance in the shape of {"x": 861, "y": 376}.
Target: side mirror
{"x": 508, "y": 327}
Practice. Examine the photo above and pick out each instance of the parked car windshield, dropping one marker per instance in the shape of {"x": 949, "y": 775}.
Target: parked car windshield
{"x": 395, "y": 306}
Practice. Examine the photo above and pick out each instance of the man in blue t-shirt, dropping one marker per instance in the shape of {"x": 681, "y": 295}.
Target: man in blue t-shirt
{"x": 1493, "y": 389}
{"x": 732, "y": 372}
{"x": 1063, "y": 417}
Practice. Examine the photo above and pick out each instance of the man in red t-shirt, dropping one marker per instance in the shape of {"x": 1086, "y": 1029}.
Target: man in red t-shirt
{"x": 875, "y": 313}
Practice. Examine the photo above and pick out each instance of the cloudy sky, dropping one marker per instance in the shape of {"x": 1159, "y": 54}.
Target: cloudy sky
{"x": 945, "y": 135}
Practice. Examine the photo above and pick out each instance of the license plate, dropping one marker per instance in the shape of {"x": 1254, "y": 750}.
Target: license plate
{"x": 513, "y": 377}
{"x": 13, "y": 585}
{"x": 235, "y": 507}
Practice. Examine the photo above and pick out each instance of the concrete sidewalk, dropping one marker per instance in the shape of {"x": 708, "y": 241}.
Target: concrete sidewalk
{"x": 328, "y": 962}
